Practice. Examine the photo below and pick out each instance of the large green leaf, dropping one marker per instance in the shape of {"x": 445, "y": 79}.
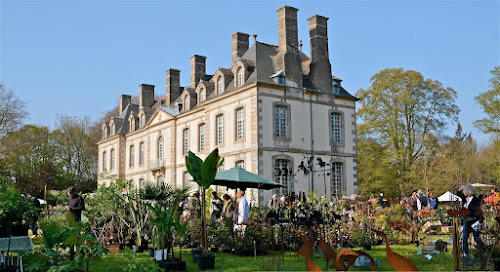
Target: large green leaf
{"x": 209, "y": 169}
{"x": 194, "y": 164}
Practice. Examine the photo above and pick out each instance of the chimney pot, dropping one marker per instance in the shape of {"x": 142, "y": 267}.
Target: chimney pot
{"x": 320, "y": 68}
{"x": 198, "y": 66}
{"x": 146, "y": 95}
{"x": 124, "y": 101}
{"x": 173, "y": 86}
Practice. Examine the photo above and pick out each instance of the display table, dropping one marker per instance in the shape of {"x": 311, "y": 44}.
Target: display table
{"x": 22, "y": 243}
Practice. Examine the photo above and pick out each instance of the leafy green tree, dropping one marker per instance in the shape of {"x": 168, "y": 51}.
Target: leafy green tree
{"x": 400, "y": 110}
{"x": 490, "y": 102}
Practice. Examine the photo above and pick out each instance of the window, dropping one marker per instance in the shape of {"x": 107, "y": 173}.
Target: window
{"x": 140, "y": 183}
{"x": 239, "y": 75}
{"x": 201, "y": 133}
{"x": 336, "y": 128}
{"x": 336, "y": 88}
{"x": 132, "y": 156}
{"x": 160, "y": 181}
{"x": 143, "y": 120}
{"x": 112, "y": 129}
{"x": 281, "y": 123}
{"x": 104, "y": 168}
{"x": 185, "y": 141}
{"x": 283, "y": 175}
{"x": 186, "y": 177}
{"x": 240, "y": 164}
{"x": 187, "y": 103}
{"x": 337, "y": 179}
{"x": 221, "y": 168}
{"x": 220, "y": 85}
{"x": 105, "y": 132}
{"x": 160, "y": 148}
{"x": 132, "y": 124}
{"x": 240, "y": 124}
{"x": 141, "y": 153}
{"x": 203, "y": 95}
{"x": 112, "y": 159}
{"x": 220, "y": 129}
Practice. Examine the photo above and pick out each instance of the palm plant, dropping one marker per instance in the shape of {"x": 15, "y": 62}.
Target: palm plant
{"x": 203, "y": 173}
{"x": 164, "y": 201}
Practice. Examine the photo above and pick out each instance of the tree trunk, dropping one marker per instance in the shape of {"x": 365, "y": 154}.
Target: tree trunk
{"x": 203, "y": 224}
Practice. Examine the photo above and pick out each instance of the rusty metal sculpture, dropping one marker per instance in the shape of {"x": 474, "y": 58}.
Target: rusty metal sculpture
{"x": 306, "y": 250}
{"x": 395, "y": 260}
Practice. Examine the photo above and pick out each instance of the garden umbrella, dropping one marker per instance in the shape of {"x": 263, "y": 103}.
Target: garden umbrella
{"x": 482, "y": 185}
{"x": 238, "y": 177}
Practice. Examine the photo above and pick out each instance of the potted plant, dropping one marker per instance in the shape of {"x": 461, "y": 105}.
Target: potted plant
{"x": 203, "y": 173}
{"x": 13, "y": 208}
{"x": 164, "y": 203}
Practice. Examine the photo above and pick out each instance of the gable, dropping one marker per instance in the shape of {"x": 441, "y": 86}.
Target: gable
{"x": 158, "y": 117}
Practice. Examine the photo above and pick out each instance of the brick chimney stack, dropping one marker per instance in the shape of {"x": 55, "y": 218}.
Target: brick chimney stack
{"x": 288, "y": 58}
{"x": 124, "y": 101}
{"x": 198, "y": 66}
{"x": 173, "y": 85}
{"x": 240, "y": 44}
{"x": 320, "y": 67}
{"x": 146, "y": 95}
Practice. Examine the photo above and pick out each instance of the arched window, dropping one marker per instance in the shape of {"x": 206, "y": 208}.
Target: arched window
{"x": 187, "y": 103}
{"x": 283, "y": 175}
{"x": 337, "y": 179}
{"x": 112, "y": 129}
{"x": 141, "y": 153}
{"x": 132, "y": 124}
{"x": 203, "y": 95}
{"x": 240, "y": 124}
{"x": 220, "y": 85}
{"x": 104, "y": 131}
{"x": 132, "y": 156}
{"x": 201, "y": 133}
{"x": 219, "y": 129}
{"x": 112, "y": 159}
{"x": 160, "y": 148}
{"x": 239, "y": 75}
{"x": 240, "y": 164}
{"x": 185, "y": 141}
{"x": 104, "y": 163}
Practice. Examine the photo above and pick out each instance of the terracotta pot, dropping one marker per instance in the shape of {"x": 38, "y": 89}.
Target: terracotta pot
{"x": 113, "y": 248}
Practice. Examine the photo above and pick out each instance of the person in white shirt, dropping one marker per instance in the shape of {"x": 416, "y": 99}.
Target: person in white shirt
{"x": 243, "y": 209}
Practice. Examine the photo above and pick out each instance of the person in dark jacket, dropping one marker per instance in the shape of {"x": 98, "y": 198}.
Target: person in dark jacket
{"x": 76, "y": 204}
{"x": 472, "y": 222}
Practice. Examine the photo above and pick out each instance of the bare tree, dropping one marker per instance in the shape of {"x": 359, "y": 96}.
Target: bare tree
{"x": 12, "y": 111}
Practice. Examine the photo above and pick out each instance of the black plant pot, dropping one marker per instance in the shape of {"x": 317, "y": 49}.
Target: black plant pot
{"x": 226, "y": 250}
{"x": 195, "y": 252}
{"x": 206, "y": 262}
{"x": 151, "y": 252}
{"x": 367, "y": 246}
{"x": 173, "y": 265}
{"x": 9, "y": 268}
{"x": 214, "y": 249}
{"x": 20, "y": 230}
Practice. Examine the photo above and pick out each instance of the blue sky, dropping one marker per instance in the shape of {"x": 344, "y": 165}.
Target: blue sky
{"x": 77, "y": 57}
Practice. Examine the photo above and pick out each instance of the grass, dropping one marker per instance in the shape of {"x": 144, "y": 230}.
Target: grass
{"x": 128, "y": 261}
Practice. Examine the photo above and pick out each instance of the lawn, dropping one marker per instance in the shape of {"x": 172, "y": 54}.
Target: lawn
{"x": 129, "y": 261}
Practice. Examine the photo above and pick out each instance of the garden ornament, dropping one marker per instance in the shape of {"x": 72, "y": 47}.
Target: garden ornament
{"x": 306, "y": 250}
{"x": 396, "y": 261}
{"x": 458, "y": 211}
{"x": 349, "y": 256}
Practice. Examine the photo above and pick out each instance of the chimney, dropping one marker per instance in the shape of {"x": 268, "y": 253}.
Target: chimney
{"x": 240, "y": 44}
{"x": 124, "y": 101}
{"x": 288, "y": 58}
{"x": 197, "y": 69}
{"x": 320, "y": 67}
{"x": 146, "y": 95}
{"x": 173, "y": 85}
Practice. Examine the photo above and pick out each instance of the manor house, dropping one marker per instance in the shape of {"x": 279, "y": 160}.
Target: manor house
{"x": 275, "y": 112}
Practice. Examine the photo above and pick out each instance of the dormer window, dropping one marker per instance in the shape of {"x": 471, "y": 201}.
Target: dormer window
{"x": 186, "y": 103}
{"x": 220, "y": 85}
{"x": 132, "y": 124}
{"x": 143, "y": 120}
{"x": 239, "y": 77}
{"x": 105, "y": 131}
{"x": 112, "y": 129}
{"x": 203, "y": 95}
{"x": 336, "y": 88}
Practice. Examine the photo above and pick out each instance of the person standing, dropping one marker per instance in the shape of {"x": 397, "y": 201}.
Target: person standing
{"x": 229, "y": 210}
{"x": 472, "y": 223}
{"x": 194, "y": 206}
{"x": 243, "y": 209}
{"x": 216, "y": 206}
{"x": 433, "y": 201}
{"x": 496, "y": 197}
{"x": 423, "y": 199}
{"x": 76, "y": 205}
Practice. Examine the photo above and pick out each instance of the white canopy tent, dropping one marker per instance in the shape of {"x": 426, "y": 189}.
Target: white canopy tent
{"x": 448, "y": 197}
{"x": 482, "y": 185}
